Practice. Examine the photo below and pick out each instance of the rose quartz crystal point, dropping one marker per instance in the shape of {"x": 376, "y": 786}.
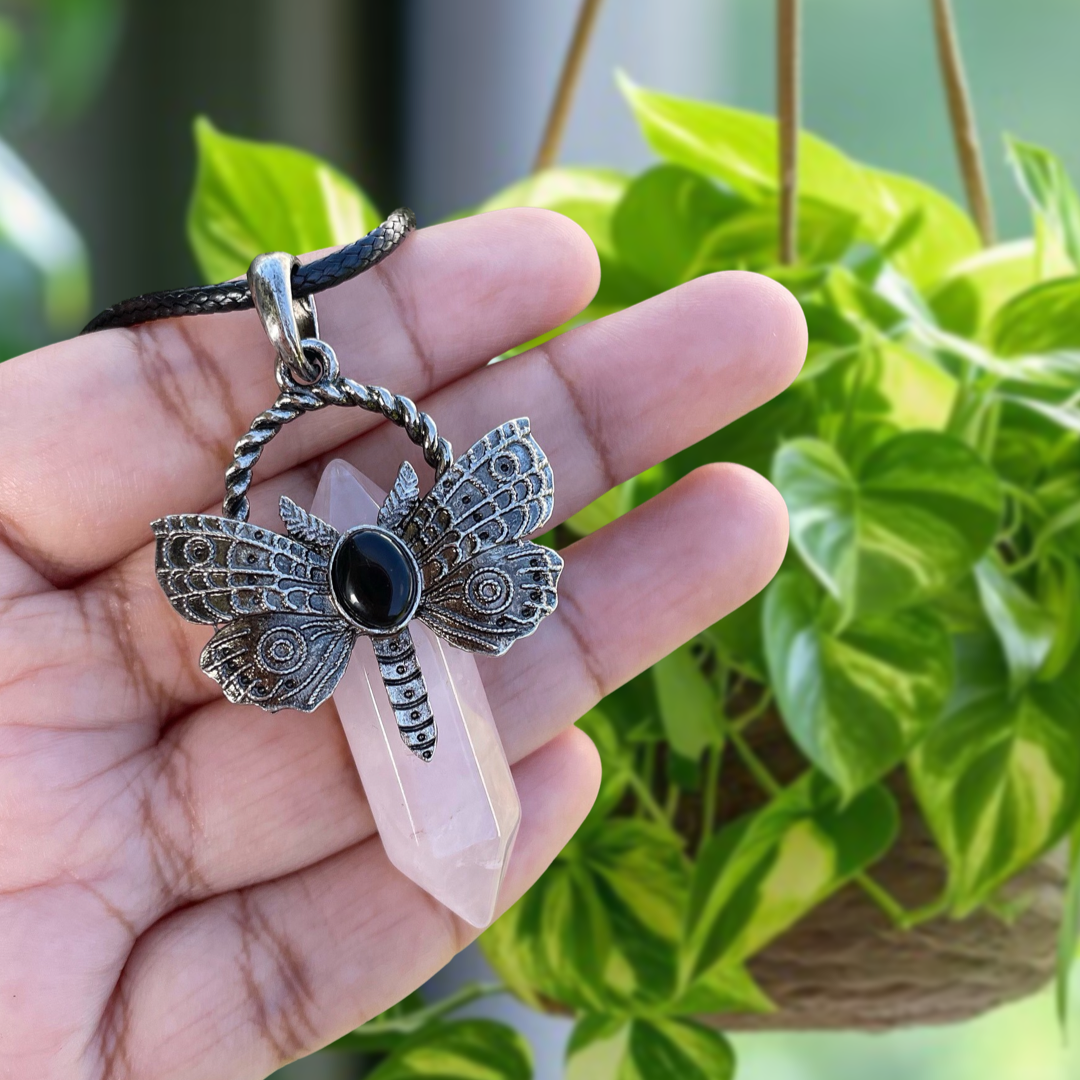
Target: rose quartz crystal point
{"x": 448, "y": 824}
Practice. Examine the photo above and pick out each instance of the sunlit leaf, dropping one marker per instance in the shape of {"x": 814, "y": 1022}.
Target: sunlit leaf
{"x": 252, "y": 197}
{"x": 998, "y": 776}
{"x": 617, "y": 501}
{"x": 918, "y": 514}
{"x": 761, "y": 874}
{"x": 968, "y": 297}
{"x": 856, "y": 701}
{"x": 739, "y": 148}
{"x": 587, "y": 196}
{"x": 944, "y": 234}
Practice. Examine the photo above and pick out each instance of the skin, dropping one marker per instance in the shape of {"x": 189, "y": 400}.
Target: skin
{"x": 194, "y": 889}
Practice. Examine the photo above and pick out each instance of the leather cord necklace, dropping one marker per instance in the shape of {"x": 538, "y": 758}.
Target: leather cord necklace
{"x": 307, "y": 279}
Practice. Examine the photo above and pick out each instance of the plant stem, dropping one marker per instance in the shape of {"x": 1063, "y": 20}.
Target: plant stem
{"x": 712, "y": 784}
{"x": 741, "y": 722}
{"x": 962, "y": 117}
{"x": 788, "y": 65}
{"x": 897, "y": 914}
{"x": 756, "y": 767}
{"x": 358, "y": 1039}
{"x": 548, "y": 153}
{"x": 647, "y": 800}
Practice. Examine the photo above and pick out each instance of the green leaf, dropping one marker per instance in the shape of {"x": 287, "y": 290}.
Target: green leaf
{"x": 1040, "y": 319}
{"x": 917, "y": 393}
{"x": 998, "y": 776}
{"x": 615, "y": 762}
{"x": 738, "y": 638}
{"x": 1058, "y": 592}
{"x": 688, "y": 705}
{"x": 618, "y": 500}
{"x": 252, "y": 197}
{"x": 739, "y": 149}
{"x": 943, "y": 236}
{"x": 648, "y": 1049}
{"x": 918, "y": 515}
{"x": 723, "y": 988}
{"x": 1024, "y": 629}
{"x": 597, "y": 931}
{"x": 761, "y": 874}
{"x": 586, "y": 196}
{"x": 1046, "y": 186}
{"x": 603, "y": 511}
{"x": 855, "y": 701}
{"x": 462, "y": 1050}
{"x": 664, "y": 218}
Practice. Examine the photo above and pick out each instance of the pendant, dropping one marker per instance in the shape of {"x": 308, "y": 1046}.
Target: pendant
{"x": 449, "y": 822}
{"x": 426, "y": 579}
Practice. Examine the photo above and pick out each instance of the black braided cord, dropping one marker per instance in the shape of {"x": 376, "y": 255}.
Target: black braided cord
{"x": 309, "y": 278}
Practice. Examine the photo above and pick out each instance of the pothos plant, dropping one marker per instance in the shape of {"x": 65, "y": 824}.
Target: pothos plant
{"x": 927, "y": 617}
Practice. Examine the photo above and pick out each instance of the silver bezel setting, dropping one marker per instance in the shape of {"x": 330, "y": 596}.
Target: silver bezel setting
{"x": 414, "y": 567}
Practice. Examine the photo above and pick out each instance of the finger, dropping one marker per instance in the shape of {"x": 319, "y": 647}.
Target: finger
{"x": 101, "y": 434}
{"x": 243, "y": 983}
{"x": 612, "y": 398}
{"x": 607, "y": 401}
{"x": 242, "y": 796}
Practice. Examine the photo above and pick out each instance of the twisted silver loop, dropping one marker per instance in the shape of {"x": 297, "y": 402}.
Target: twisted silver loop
{"x": 296, "y": 399}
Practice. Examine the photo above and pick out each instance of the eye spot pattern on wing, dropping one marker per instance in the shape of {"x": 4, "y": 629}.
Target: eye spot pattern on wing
{"x": 279, "y": 661}
{"x": 500, "y": 596}
{"x": 214, "y": 570}
{"x": 498, "y": 492}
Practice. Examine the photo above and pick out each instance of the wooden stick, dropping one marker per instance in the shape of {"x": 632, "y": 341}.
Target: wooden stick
{"x": 962, "y": 117}
{"x": 788, "y": 84}
{"x": 548, "y": 153}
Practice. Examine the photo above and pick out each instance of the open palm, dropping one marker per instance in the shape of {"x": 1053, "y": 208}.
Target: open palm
{"x": 190, "y": 888}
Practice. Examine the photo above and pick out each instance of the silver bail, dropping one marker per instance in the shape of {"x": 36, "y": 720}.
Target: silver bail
{"x": 288, "y": 321}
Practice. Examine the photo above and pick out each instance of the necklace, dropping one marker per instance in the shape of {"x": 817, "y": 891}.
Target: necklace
{"x": 289, "y": 608}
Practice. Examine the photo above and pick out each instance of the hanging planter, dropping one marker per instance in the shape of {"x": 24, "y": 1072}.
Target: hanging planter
{"x": 848, "y": 966}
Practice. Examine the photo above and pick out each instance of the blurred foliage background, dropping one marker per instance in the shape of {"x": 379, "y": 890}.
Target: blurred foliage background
{"x": 439, "y": 105}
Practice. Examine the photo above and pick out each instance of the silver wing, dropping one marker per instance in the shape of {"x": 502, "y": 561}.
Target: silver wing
{"x": 484, "y": 586}
{"x": 279, "y": 661}
{"x": 283, "y": 644}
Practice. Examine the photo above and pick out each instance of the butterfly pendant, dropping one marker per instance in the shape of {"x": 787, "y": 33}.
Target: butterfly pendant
{"x": 288, "y": 609}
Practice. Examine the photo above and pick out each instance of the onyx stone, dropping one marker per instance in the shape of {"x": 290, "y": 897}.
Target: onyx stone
{"x": 374, "y": 579}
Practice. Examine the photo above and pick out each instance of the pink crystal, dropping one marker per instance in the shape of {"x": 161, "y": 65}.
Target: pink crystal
{"x": 448, "y": 824}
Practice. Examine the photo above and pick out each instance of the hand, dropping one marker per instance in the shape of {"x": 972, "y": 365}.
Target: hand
{"x": 190, "y": 888}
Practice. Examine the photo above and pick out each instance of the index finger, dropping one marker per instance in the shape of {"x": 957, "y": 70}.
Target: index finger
{"x": 101, "y": 434}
